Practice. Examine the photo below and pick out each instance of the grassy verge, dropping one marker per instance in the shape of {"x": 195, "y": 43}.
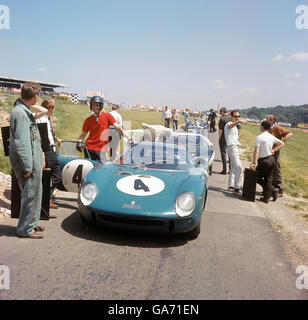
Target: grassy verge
{"x": 294, "y": 155}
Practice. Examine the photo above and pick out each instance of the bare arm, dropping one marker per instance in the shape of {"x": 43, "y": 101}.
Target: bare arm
{"x": 254, "y": 158}
{"x": 234, "y": 124}
{"x": 122, "y": 132}
{"x": 39, "y": 111}
{"x": 287, "y": 137}
{"x": 277, "y": 146}
{"x": 82, "y": 136}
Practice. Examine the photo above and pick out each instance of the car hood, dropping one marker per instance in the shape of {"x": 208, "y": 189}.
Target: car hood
{"x": 153, "y": 193}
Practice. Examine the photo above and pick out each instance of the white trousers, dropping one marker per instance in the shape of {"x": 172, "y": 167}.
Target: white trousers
{"x": 236, "y": 170}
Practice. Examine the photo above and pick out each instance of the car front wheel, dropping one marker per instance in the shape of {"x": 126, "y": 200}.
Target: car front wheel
{"x": 193, "y": 234}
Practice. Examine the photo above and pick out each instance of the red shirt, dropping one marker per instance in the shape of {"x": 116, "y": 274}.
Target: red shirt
{"x": 99, "y": 132}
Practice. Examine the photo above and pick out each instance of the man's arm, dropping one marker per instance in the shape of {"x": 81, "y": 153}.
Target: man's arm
{"x": 82, "y": 136}
{"x": 287, "y": 137}
{"x": 234, "y": 124}
{"x": 254, "y": 158}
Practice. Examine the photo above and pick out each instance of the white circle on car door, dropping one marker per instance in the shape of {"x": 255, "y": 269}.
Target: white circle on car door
{"x": 73, "y": 173}
{"x": 141, "y": 185}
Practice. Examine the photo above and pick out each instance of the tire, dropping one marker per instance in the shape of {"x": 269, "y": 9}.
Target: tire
{"x": 210, "y": 170}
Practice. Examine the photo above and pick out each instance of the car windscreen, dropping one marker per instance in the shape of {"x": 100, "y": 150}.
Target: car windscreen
{"x": 155, "y": 157}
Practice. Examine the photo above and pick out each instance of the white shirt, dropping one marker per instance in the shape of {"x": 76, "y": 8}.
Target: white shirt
{"x": 167, "y": 114}
{"x": 117, "y": 117}
{"x": 231, "y": 135}
{"x": 266, "y": 141}
{"x": 44, "y": 119}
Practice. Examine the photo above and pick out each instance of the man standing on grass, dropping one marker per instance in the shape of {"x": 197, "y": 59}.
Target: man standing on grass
{"x": 26, "y": 158}
{"x": 232, "y": 141}
{"x": 283, "y": 135}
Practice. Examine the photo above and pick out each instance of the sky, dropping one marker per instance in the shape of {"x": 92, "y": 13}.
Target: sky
{"x": 196, "y": 53}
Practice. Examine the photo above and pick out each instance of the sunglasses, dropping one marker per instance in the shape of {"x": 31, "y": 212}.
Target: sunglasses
{"x": 236, "y": 116}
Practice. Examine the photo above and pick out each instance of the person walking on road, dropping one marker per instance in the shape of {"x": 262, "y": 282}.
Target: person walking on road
{"x": 283, "y": 135}
{"x": 265, "y": 147}
{"x": 232, "y": 141}
{"x": 212, "y": 120}
{"x": 224, "y": 119}
{"x": 26, "y": 157}
{"x": 186, "y": 118}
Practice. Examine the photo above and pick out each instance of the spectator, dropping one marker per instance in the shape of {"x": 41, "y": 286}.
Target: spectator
{"x": 265, "y": 147}
{"x": 26, "y": 158}
{"x": 167, "y": 115}
{"x": 98, "y": 124}
{"x": 232, "y": 141}
{"x": 175, "y": 119}
{"x": 283, "y": 135}
{"x": 186, "y": 117}
{"x": 212, "y": 120}
{"x": 50, "y": 155}
{"x": 224, "y": 119}
{"x": 114, "y": 135}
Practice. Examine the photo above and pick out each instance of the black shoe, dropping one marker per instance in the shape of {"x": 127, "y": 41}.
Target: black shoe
{"x": 223, "y": 172}
{"x": 275, "y": 194}
{"x": 264, "y": 200}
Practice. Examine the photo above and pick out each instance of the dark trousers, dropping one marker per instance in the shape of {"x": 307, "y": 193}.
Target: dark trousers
{"x": 223, "y": 153}
{"x": 265, "y": 175}
{"x": 277, "y": 176}
{"x": 212, "y": 126}
{"x": 175, "y": 124}
{"x": 52, "y": 163}
{"x": 167, "y": 122}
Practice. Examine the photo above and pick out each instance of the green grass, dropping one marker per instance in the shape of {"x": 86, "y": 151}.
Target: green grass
{"x": 294, "y": 155}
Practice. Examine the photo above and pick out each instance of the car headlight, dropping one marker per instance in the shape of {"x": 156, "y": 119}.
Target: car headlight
{"x": 185, "y": 204}
{"x": 88, "y": 193}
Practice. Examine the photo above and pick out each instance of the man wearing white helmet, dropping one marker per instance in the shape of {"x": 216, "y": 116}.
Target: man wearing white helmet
{"x": 97, "y": 125}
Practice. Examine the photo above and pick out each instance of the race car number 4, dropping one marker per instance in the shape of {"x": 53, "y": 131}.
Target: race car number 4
{"x": 140, "y": 185}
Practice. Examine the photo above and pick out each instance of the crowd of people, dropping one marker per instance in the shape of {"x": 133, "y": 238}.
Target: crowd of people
{"x": 104, "y": 130}
{"x": 266, "y": 155}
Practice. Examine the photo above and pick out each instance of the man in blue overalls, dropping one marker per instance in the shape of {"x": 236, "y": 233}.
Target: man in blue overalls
{"x": 26, "y": 157}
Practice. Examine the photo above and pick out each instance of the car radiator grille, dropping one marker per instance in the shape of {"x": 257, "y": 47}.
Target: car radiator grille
{"x": 130, "y": 220}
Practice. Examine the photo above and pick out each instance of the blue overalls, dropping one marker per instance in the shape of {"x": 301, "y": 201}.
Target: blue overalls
{"x": 26, "y": 155}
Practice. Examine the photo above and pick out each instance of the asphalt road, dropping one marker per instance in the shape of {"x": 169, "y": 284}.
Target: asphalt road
{"x": 236, "y": 256}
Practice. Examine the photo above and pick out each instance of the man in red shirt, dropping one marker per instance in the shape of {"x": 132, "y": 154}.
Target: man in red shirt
{"x": 97, "y": 124}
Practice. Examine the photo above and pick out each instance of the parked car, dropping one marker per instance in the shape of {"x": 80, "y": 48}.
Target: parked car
{"x": 151, "y": 186}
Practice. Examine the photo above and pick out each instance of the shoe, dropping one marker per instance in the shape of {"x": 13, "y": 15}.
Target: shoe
{"x": 237, "y": 192}
{"x": 53, "y": 205}
{"x": 223, "y": 172}
{"x": 39, "y": 228}
{"x": 275, "y": 194}
{"x": 52, "y": 216}
{"x": 230, "y": 189}
{"x": 34, "y": 235}
{"x": 264, "y": 200}
{"x": 280, "y": 195}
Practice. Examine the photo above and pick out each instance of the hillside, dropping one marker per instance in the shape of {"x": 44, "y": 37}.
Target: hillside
{"x": 292, "y": 114}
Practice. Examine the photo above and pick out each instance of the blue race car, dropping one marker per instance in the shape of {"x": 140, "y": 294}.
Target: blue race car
{"x": 151, "y": 186}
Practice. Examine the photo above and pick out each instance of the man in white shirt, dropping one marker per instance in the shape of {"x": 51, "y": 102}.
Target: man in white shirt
{"x": 114, "y": 135}
{"x": 265, "y": 147}
{"x": 232, "y": 142}
{"x": 167, "y": 115}
{"x": 50, "y": 155}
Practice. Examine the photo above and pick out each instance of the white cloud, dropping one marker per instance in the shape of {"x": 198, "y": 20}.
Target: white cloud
{"x": 219, "y": 84}
{"x": 295, "y": 75}
{"x": 42, "y": 69}
{"x": 277, "y": 58}
{"x": 299, "y": 56}
{"x": 251, "y": 90}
